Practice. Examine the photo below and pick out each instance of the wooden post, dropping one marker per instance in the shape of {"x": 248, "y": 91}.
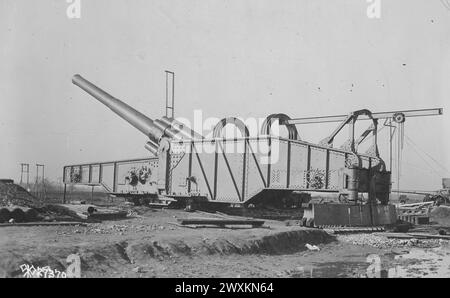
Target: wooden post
{"x": 64, "y": 195}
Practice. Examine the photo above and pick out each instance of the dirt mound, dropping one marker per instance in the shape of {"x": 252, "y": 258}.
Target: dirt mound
{"x": 14, "y": 195}
{"x": 116, "y": 256}
{"x": 18, "y": 204}
{"x": 272, "y": 244}
{"x": 59, "y": 213}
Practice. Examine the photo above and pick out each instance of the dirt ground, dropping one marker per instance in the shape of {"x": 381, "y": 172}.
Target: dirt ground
{"x": 148, "y": 245}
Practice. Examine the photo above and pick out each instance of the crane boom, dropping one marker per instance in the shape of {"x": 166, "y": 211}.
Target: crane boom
{"x": 380, "y": 115}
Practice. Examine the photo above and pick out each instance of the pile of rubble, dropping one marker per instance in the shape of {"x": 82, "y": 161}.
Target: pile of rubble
{"x": 14, "y": 195}
{"x": 381, "y": 242}
{"x": 441, "y": 215}
{"x": 122, "y": 229}
{"x": 17, "y": 204}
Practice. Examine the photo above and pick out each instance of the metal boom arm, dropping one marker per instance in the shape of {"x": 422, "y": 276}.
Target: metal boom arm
{"x": 380, "y": 115}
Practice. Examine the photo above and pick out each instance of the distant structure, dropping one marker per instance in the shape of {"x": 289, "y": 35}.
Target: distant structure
{"x": 39, "y": 185}
{"x": 446, "y": 183}
{"x": 25, "y": 171}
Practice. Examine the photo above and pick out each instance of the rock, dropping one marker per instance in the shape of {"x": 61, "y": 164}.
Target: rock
{"x": 138, "y": 270}
{"x": 312, "y": 247}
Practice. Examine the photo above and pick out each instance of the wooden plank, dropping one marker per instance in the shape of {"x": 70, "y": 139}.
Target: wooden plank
{"x": 413, "y": 235}
{"x": 429, "y": 236}
{"x": 28, "y": 224}
{"x": 397, "y": 236}
{"x": 178, "y": 225}
{"x": 415, "y": 204}
{"x": 157, "y": 205}
{"x": 219, "y": 222}
{"x": 341, "y": 230}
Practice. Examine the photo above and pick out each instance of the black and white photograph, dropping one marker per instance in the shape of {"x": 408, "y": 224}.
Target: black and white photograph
{"x": 224, "y": 145}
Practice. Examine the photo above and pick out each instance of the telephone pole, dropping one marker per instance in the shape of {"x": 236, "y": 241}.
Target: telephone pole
{"x": 40, "y": 181}
{"x": 25, "y": 171}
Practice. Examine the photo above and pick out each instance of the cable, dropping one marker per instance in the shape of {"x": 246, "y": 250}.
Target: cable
{"x": 420, "y": 168}
{"x": 426, "y": 162}
{"x": 431, "y": 157}
{"x": 414, "y": 147}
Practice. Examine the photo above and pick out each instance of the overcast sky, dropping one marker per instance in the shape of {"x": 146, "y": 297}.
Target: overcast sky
{"x": 231, "y": 58}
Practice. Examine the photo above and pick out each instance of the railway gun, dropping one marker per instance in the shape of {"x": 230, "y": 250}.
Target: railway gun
{"x": 184, "y": 166}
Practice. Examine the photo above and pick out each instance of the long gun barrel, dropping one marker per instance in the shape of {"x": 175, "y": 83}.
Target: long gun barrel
{"x": 135, "y": 118}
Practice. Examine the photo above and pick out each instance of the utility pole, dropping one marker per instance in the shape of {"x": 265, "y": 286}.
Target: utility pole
{"x": 40, "y": 182}
{"x": 25, "y": 169}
